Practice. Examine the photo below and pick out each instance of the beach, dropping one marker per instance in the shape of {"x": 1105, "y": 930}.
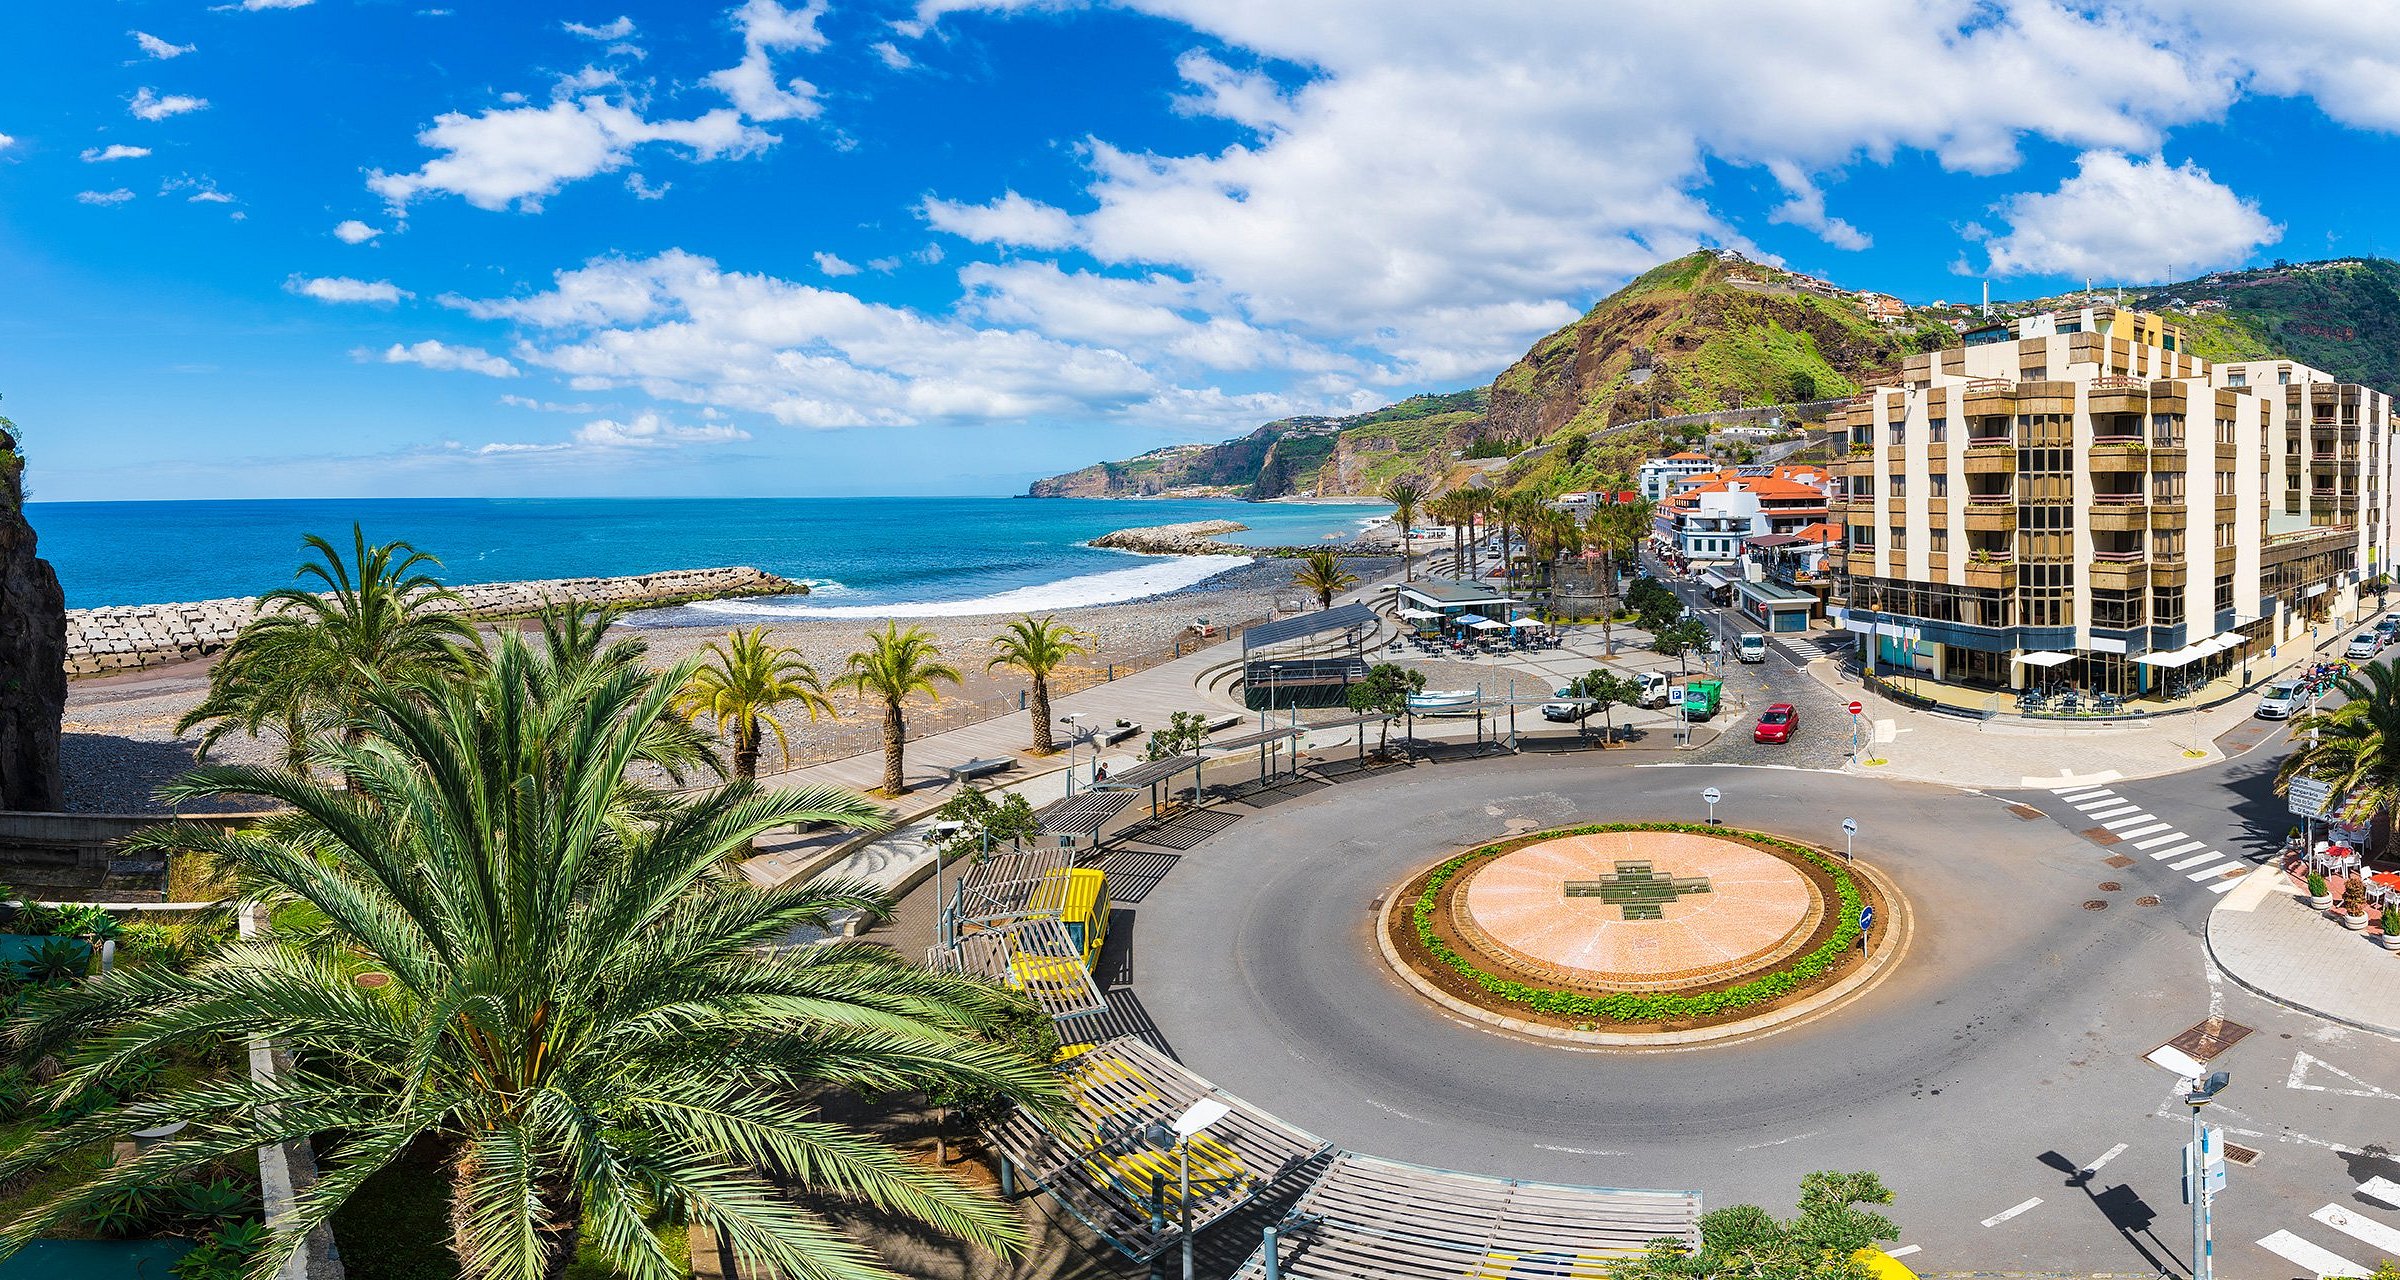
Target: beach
{"x": 120, "y": 745}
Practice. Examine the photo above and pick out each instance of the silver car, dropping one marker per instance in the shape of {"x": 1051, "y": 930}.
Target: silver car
{"x": 2280, "y": 700}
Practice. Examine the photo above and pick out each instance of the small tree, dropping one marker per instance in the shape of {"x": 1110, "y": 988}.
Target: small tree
{"x": 1678, "y": 639}
{"x": 1611, "y": 691}
{"x": 1321, "y": 572}
{"x": 983, "y": 821}
{"x": 1184, "y": 733}
{"x": 1745, "y": 1240}
{"x": 1385, "y": 692}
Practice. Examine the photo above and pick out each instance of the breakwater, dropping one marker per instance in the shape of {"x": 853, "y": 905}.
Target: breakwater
{"x": 1198, "y": 538}
{"x": 127, "y": 638}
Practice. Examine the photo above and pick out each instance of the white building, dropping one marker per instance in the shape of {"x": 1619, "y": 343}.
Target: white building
{"x": 1656, "y": 478}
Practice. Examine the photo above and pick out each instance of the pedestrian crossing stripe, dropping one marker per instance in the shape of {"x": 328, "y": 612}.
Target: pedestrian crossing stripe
{"x": 2132, "y": 821}
{"x": 2155, "y": 841}
{"x": 2107, "y": 808}
{"x": 2212, "y": 871}
{"x": 2071, "y": 789}
{"x": 2191, "y": 862}
{"x": 2078, "y": 795}
{"x": 2224, "y": 886}
{"x": 2143, "y": 831}
{"x": 2315, "y": 1261}
{"x": 2384, "y": 1240}
{"x": 2178, "y": 851}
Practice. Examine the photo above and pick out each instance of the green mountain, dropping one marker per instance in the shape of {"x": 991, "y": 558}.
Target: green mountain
{"x": 2342, "y": 316}
{"x": 1284, "y": 457}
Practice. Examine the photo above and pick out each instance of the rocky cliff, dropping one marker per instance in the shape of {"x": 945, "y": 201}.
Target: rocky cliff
{"x": 33, "y": 649}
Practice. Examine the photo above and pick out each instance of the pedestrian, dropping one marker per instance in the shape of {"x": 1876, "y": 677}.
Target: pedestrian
{"x": 1099, "y": 773}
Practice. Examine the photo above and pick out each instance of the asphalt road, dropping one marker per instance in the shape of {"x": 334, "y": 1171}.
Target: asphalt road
{"x": 2002, "y": 1056}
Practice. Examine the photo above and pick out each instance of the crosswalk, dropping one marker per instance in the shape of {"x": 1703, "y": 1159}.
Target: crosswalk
{"x": 2143, "y": 831}
{"x": 2353, "y": 1232}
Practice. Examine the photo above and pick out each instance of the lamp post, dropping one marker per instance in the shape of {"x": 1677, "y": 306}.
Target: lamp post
{"x": 1177, "y": 1137}
{"x": 1073, "y": 721}
{"x": 2202, "y": 1166}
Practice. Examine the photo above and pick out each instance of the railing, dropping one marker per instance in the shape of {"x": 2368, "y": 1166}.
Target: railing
{"x": 1991, "y": 442}
{"x": 1991, "y": 559}
{"x": 2116, "y": 499}
{"x": 2120, "y": 382}
{"x": 2116, "y": 442}
{"x": 1990, "y": 384}
{"x": 1991, "y": 499}
{"x": 2117, "y": 557}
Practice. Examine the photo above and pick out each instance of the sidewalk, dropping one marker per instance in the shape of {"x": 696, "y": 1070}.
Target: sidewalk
{"x": 2003, "y": 752}
{"x": 2266, "y": 937}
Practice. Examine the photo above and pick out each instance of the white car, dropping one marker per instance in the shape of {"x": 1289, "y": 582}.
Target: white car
{"x": 2363, "y": 645}
{"x": 2280, "y": 700}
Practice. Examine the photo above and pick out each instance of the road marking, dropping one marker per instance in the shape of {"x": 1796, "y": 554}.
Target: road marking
{"x": 2225, "y": 886}
{"x": 1397, "y": 1111}
{"x": 1577, "y": 1151}
{"x": 2311, "y": 1259}
{"x": 2205, "y": 872}
{"x": 1904, "y": 1250}
{"x": 2383, "y": 1189}
{"x": 2111, "y": 810}
{"x": 2005, "y": 1214}
{"x": 1777, "y": 1142}
{"x": 2133, "y": 820}
{"x": 2105, "y": 1156}
{"x": 2155, "y": 841}
{"x": 2301, "y": 1062}
{"x": 2383, "y": 1238}
{"x": 2178, "y": 851}
{"x": 2142, "y": 831}
{"x": 2105, "y": 802}
{"x": 2077, "y": 795}
{"x": 2195, "y": 860}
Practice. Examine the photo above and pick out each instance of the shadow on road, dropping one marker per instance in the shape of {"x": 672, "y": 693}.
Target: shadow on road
{"x": 2124, "y": 1209}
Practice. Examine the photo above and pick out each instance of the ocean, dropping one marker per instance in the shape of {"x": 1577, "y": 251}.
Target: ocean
{"x": 863, "y": 557}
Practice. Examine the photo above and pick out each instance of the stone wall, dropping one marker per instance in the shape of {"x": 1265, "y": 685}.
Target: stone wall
{"x": 130, "y": 637}
{"x": 33, "y": 685}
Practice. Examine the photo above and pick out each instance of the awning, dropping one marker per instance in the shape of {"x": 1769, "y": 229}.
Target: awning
{"x": 1418, "y": 615}
{"x": 1468, "y": 619}
{"x": 2044, "y": 658}
{"x": 2227, "y": 640}
{"x": 2169, "y": 660}
{"x": 1519, "y": 623}
{"x": 1713, "y": 578}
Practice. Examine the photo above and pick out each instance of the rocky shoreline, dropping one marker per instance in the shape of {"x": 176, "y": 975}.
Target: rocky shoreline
{"x": 132, "y": 637}
{"x": 1198, "y": 538}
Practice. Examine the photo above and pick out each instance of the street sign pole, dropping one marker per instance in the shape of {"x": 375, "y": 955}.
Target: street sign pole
{"x": 1849, "y": 829}
{"x": 2204, "y": 1171}
{"x": 1712, "y": 795}
{"x": 1866, "y": 922}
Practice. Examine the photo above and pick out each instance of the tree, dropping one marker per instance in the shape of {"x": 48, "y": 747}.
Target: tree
{"x": 1407, "y": 496}
{"x": 299, "y": 665}
{"x": 741, "y": 684}
{"x": 585, "y": 1014}
{"x": 1613, "y": 529}
{"x": 2355, "y": 746}
{"x": 1456, "y": 509}
{"x": 1743, "y": 1241}
{"x": 1038, "y": 647}
{"x": 1184, "y": 733}
{"x": 897, "y": 664}
{"x": 983, "y": 821}
{"x": 1611, "y": 691}
{"x": 1321, "y": 571}
{"x": 1384, "y": 692}
{"x": 1678, "y": 639}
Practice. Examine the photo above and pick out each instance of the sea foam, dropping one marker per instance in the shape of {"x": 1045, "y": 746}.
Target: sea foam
{"x": 1154, "y": 575}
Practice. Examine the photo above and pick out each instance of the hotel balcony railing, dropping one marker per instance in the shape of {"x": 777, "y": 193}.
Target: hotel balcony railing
{"x": 2120, "y": 382}
{"x": 2117, "y": 499}
{"x": 1991, "y": 442}
{"x": 2115, "y": 442}
{"x": 1991, "y": 384}
{"x": 2117, "y": 557}
{"x": 1991, "y": 499}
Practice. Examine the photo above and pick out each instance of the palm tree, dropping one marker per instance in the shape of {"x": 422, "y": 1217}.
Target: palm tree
{"x": 299, "y": 665}
{"x": 1552, "y": 534}
{"x": 1453, "y": 509}
{"x": 742, "y": 683}
{"x": 1614, "y": 528}
{"x": 896, "y": 664}
{"x": 1321, "y": 571}
{"x": 2355, "y": 746}
{"x": 1518, "y": 511}
{"x": 1406, "y": 496}
{"x": 586, "y": 1014}
{"x": 1038, "y": 647}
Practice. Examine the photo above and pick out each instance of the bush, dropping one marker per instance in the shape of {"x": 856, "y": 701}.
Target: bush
{"x": 212, "y": 1203}
{"x": 225, "y": 1255}
{"x": 2316, "y": 885}
{"x": 130, "y": 1211}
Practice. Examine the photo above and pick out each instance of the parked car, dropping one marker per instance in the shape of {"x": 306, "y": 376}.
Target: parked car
{"x": 1752, "y": 647}
{"x": 2364, "y": 645}
{"x": 2280, "y": 700}
{"x": 1569, "y": 710}
{"x": 2390, "y": 626}
{"x": 1775, "y": 724}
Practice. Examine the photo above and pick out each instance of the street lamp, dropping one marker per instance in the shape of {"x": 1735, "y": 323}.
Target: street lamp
{"x": 1073, "y": 721}
{"x": 2204, "y": 1164}
{"x": 1177, "y": 1137}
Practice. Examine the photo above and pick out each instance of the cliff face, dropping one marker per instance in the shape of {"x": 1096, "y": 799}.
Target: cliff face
{"x": 33, "y": 651}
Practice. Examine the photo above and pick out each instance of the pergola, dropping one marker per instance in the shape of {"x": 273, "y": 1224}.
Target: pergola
{"x": 1125, "y": 1191}
{"x": 1033, "y": 956}
{"x": 1148, "y": 774}
{"x": 1323, "y": 655}
{"x": 1000, "y": 886}
{"x": 1081, "y": 816}
{"x": 1374, "y": 1219}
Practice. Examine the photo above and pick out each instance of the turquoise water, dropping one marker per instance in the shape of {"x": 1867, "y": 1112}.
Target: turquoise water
{"x": 867, "y": 557}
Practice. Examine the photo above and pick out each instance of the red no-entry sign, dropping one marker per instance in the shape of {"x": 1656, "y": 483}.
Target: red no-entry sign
{"x": 1857, "y": 707}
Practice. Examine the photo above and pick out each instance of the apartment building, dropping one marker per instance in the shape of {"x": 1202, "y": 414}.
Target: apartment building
{"x": 2074, "y": 499}
{"x": 1656, "y": 478}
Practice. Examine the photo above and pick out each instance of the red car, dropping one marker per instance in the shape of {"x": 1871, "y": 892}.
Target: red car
{"x": 1775, "y": 724}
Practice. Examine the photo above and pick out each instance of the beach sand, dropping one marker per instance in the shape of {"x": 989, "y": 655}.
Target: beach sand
{"x": 120, "y": 744}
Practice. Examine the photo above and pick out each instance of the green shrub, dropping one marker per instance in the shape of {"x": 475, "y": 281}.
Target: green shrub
{"x": 130, "y": 1211}
{"x": 1647, "y": 1006}
{"x": 212, "y": 1203}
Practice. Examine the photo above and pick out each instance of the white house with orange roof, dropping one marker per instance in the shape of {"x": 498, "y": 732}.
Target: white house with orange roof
{"x": 1656, "y": 478}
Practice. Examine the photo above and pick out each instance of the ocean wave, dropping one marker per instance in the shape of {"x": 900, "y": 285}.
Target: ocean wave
{"x": 1155, "y": 575}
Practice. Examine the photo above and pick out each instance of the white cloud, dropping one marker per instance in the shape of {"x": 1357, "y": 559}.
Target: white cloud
{"x": 345, "y": 289}
{"x": 835, "y": 265}
{"x": 650, "y": 431}
{"x": 118, "y": 196}
{"x": 352, "y": 231}
{"x": 148, "y": 105}
{"x": 769, "y": 28}
{"x": 546, "y": 406}
{"x": 6, "y": 142}
{"x": 2118, "y": 218}
{"x": 1011, "y": 219}
{"x": 434, "y": 354}
{"x": 1806, "y": 209}
{"x": 616, "y": 30}
{"x": 157, "y": 48}
{"x": 113, "y": 151}
{"x": 203, "y": 190}
{"x": 643, "y": 189}
{"x": 891, "y": 55}
{"x": 503, "y": 447}
{"x": 519, "y": 155}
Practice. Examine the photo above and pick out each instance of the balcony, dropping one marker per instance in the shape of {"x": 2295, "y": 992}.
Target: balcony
{"x": 2119, "y": 395}
{"x": 2120, "y": 512}
{"x": 2119, "y": 571}
{"x": 2119, "y": 453}
{"x": 1994, "y": 458}
{"x": 2168, "y": 514}
{"x": 1991, "y": 513}
{"x": 1992, "y": 572}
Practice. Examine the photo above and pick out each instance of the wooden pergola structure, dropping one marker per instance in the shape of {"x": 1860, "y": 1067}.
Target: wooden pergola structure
{"x": 1033, "y": 956}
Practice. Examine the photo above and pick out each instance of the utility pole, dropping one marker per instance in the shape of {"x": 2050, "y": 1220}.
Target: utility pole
{"x": 2204, "y": 1167}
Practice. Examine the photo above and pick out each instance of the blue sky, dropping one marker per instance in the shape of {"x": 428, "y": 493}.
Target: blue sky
{"x": 395, "y": 247}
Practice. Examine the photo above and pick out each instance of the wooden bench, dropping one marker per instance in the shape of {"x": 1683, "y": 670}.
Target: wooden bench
{"x": 977, "y": 768}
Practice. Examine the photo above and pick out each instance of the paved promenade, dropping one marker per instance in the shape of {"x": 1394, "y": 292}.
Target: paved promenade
{"x": 2266, "y": 937}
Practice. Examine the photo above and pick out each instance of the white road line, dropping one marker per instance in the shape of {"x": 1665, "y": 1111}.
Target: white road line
{"x": 2311, "y": 1259}
{"x": 2136, "y": 819}
{"x": 2103, "y": 802}
{"x": 2178, "y": 851}
{"x": 2224, "y": 886}
{"x": 2113, "y": 809}
{"x": 2142, "y": 830}
{"x": 2105, "y": 1156}
{"x": 1904, "y": 1250}
{"x": 2005, "y": 1214}
{"x": 2077, "y": 795}
{"x": 2383, "y": 1189}
{"x": 2195, "y": 860}
{"x": 2155, "y": 841}
{"x": 2385, "y": 1240}
{"x": 2205, "y": 872}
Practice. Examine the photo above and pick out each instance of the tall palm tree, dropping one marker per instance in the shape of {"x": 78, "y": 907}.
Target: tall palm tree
{"x": 2355, "y": 746}
{"x": 1037, "y": 647}
{"x": 1552, "y": 534}
{"x": 586, "y": 1014}
{"x": 1407, "y": 496}
{"x": 299, "y": 665}
{"x": 1451, "y": 509}
{"x": 1613, "y": 529}
{"x": 895, "y": 664}
{"x": 741, "y": 684}
{"x": 1518, "y": 511}
{"x": 1321, "y": 571}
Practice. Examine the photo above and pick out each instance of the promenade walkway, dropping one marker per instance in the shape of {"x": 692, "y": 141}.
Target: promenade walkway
{"x": 2266, "y": 937}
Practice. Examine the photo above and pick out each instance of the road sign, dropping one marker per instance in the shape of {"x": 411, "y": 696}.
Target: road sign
{"x": 1866, "y": 918}
{"x": 2309, "y": 797}
{"x": 1849, "y": 826}
{"x": 1712, "y": 795}
{"x": 1858, "y": 708}
{"x": 1675, "y": 696}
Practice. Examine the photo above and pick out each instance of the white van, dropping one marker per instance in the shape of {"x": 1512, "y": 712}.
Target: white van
{"x": 1752, "y": 647}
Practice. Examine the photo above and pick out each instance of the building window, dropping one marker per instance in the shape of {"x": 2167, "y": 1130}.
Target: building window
{"x": 1941, "y": 484}
{"x": 2166, "y": 606}
{"x": 1899, "y": 432}
{"x": 1941, "y": 542}
{"x": 2224, "y": 592}
{"x": 1899, "y": 538}
{"x": 2283, "y": 377}
{"x": 2237, "y": 378}
{"x": 1937, "y": 429}
{"x": 1899, "y": 486}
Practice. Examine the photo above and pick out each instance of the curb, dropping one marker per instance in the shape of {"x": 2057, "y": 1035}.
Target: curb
{"x": 1879, "y": 966}
{"x": 2209, "y": 942}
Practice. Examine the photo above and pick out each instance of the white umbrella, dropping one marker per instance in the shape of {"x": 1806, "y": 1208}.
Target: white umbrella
{"x": 1486, "y": 624}
{"x": 1418, "y": 615}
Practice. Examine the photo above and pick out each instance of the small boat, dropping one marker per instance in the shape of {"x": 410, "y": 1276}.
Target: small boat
{"x": 1433, "y": 701}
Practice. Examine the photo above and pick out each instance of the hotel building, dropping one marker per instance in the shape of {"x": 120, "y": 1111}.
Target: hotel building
{"x": 2074, "y": 499}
